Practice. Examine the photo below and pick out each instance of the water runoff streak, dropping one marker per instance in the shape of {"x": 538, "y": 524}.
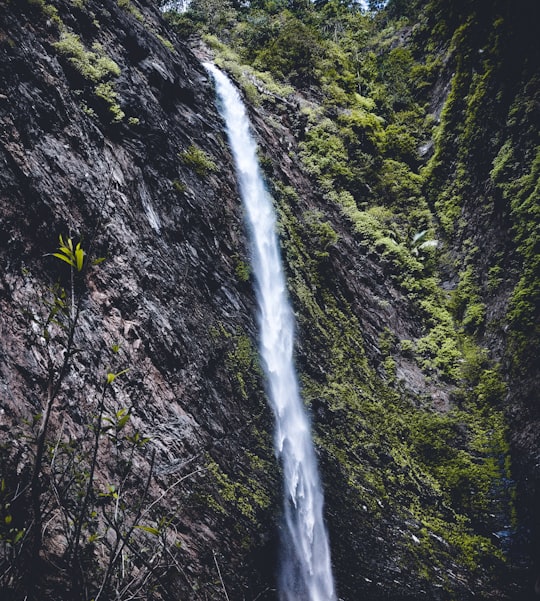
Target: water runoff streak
{"x": 305, "y": 572}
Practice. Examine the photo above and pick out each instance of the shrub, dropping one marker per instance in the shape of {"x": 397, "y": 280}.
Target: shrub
{"x": 94, "y": 66}
{"x": 198, "y": 160}
{"x": 106, "y": 92}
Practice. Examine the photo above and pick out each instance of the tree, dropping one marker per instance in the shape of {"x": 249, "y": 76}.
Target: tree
{"x": 293, "y": 54}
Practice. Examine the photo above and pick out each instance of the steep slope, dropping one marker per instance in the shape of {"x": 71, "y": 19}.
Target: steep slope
{"x": 122, "y": 168}
{"x": 413, "y": 485}
{"x": 427, "y": 341}
{"x": 160, "y": 481}
{"x": 483, "y": 180}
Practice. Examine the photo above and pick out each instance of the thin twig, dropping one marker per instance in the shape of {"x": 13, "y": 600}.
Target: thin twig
{"x": 86, "y": 500}
{"x": 262, "y": 593}
{"x": 124, "y": 538}
{"x": 167, "y": 490}
{"x": 219, "y": 574}
{"x": 181, "y": 570}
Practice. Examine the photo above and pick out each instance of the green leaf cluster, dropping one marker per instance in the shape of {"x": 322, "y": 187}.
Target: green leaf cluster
{"x": 197, "y": 159}
{"x": 71, "y": 254}
{"x": 131, "y": 8}
{"x": 96, "y": 67}
{"x": 93, "y": 65}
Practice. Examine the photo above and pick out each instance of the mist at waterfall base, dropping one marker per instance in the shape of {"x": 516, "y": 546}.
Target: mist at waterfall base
{"x": 305, "y": 569}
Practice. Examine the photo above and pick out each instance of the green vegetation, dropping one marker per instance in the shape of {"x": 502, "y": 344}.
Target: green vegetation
{"x": 411, "y": 189}
{"x": 243, "y": 491}
{"x": 242, "y": 270}
{"x": 106, "y": 92}
{"x": 179, "y": 186}
{"x": 131, "y": 8}
{"x": 258, "y": 86}
{"x": 454, "y": 458}
{"x": 167, "y": 43}
{"x": 49, "y": 11}
{"x": 525, "y": 300}
{"x": 96, "y": 517}
{"x": 197, "y": 159}
{"x": 93, "y": 65}
{"x": 96, "y": 67}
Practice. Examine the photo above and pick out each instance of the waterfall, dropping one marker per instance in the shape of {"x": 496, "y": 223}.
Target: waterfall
{"x": 305, "y": 568}
{"x": 179, "y": 6}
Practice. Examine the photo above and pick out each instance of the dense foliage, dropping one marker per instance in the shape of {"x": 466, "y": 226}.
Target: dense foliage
{"x": 417, "y": 123}
{"x": 410, "y": 229}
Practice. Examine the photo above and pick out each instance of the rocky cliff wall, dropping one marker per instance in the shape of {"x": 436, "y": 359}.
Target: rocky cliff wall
{"x": 110, "y": 136}
{"x": 150, "y": 189}
{"x": 484, "y": 173}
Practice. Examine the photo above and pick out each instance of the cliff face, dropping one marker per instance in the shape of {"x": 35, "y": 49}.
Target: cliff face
{"x": 485, "y": 172}
{"x": 166, "y": 304}
{"x": 160, "y": 480}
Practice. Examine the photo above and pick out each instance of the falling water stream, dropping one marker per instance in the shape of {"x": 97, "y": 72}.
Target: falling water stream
{"x": 305, "y": 570}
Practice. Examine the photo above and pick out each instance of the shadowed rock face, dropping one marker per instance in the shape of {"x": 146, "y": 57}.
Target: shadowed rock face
{"x": 140, "y": 172}
{"x": 166, "y": 293}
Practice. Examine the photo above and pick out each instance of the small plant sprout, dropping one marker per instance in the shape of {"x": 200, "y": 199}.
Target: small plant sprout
{"x": 137, "y": 439}
{"x": 118, "y": 421}
{"x": 112, "y": 377}
{"x": 72, "y": 255}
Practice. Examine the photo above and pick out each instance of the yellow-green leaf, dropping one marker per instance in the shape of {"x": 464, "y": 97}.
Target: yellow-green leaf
{"x": 149, "y": 529}
{"x": 112, "y": 377}
{"x": 122, "y": 421}
{"x": 64, "y": 258}
{"x": 19, "y": 535}
{"x": 79, "y": 257}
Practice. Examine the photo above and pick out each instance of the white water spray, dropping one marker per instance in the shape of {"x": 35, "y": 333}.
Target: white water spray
{"x": 305, "y": 573}
{"x": 180, "y": 6}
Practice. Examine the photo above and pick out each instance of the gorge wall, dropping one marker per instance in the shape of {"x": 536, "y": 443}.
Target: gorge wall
{"x": 110, "y": 136}
{"x": 167, "y": 295}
